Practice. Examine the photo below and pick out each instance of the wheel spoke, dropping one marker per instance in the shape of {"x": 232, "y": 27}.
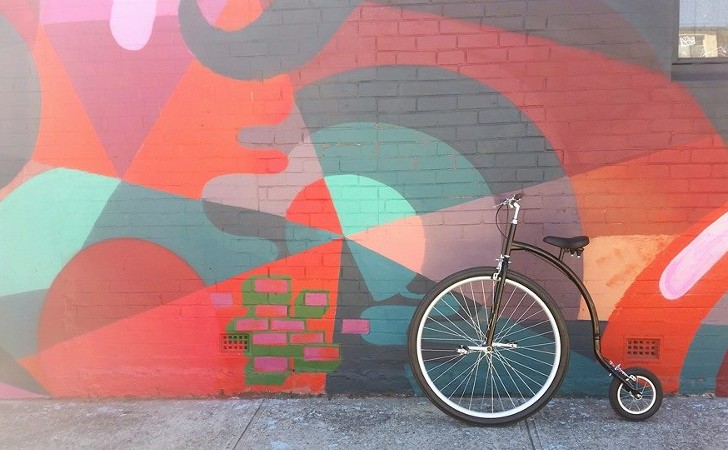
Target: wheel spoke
{"x": 489, "y": 384}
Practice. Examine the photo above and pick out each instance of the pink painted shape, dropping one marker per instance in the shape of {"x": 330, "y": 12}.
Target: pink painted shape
{"x": 355, "y": 326}
{"x": 251, "y": 325}
{"x": 65, "y": 11}
{"x": 132, "y": 22}
{"x": 321, "y": 353}
{"x": 221, "y": 299}
{"x": 270, "y": 364}
{"x": 270, "y": 339}
{"x": 707, "y": 248}
{"x": 135, "y": 85}
{"x": 402, "y": 241}
{"x": 271, "y": 286}
{"x": 11, "y": 392}
{"x": 316, "y": 299}
{"x": 287, "y": 325}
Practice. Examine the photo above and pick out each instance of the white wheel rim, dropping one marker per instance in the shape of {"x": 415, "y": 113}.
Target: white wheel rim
{"x": 508, "y": 412}
{"x": 623, "y": 394}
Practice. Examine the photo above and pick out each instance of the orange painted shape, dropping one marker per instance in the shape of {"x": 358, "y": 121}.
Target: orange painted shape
{"x": 195, "y": 138}
{"x": 643, "y": 312}
{"x": 66, "y": 137}
{"x": 239, "y": 13}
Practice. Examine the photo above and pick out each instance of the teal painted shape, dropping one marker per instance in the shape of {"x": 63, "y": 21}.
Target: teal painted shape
{"x": 585, "y": 376}
{"x": 45, "y": 222}
{"x": 388, "y": 324}
{"x": 362, "y": 203}
{"x": 425, "y": 171}
{"x": 384, "y": 278}
{"x": 181, "y": 225}
{"x": 300, "y": 238}
{"x": 704, "y": 359}
{"x": 19, "y": 318}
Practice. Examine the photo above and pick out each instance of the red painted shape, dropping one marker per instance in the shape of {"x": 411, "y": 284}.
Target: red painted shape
{"x": 321, "y": 353}
{"x": 112, "y": 281}
{"x": 721, "y": 382}
{"x": 117, "y": 322}
{"x": 314, "y": 207}
{"x": 271, "y": 311}
{"x": 169, "y": 351}
{"x": 644, "y": 312}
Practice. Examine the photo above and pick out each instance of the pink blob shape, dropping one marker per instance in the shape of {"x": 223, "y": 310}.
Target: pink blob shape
{"x": 695, "y": 260}
{"x": 132, "y": 22}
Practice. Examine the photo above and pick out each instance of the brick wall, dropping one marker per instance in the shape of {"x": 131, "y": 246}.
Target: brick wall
{"x": 221, "y": 197}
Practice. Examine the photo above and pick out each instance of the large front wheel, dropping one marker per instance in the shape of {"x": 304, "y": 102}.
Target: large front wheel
{"x": 488, "y": 384}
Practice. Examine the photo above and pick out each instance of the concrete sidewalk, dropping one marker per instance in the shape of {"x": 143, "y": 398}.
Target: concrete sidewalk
{"x": 349, "y": 423}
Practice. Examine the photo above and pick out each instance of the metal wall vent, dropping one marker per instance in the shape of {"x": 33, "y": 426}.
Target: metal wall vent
{"x": 643, "y": 348}
{"x": 234, "y": 343}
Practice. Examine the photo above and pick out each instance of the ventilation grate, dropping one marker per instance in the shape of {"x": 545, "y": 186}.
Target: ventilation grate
{"x": 234, "y": 343}
{"x": 643, "y": 348}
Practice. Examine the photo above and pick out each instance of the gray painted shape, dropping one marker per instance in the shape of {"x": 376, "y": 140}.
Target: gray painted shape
{"x": 285, "y": 36}
{"x": 20, "y": 102}
{"x": 486, "y": 128}
{"x": 180, "y": 225}
{"x": 13, "y": 374}
{"x": 290, "y": 33}
{"x": 248, "y": 191}
{"x": 19, "y": 318}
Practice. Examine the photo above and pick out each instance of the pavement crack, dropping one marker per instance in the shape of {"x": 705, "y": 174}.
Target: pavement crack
{"x": 252, "y": 420}
{"x": 533, "y": 435}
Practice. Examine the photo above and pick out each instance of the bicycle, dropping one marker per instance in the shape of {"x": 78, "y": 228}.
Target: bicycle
{"x": 489, "y": 346}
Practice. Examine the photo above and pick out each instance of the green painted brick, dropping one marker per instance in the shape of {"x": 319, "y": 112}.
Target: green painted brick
{"x": 302, "y": 365}
{"x": 291, "y": 351}
{"x": 268, "y": 378}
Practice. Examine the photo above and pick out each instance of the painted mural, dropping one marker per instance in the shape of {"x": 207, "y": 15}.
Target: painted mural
{"x": 214, "y": 197}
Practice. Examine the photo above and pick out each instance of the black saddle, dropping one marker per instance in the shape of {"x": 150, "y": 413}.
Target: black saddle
{"x": 571, "y": 244}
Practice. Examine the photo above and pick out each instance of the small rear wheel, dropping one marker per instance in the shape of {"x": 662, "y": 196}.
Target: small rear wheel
{"x": 639, "y": 406}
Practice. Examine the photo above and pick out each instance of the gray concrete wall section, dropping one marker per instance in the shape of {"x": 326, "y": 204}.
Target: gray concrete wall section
{"x": 349, "y": 423}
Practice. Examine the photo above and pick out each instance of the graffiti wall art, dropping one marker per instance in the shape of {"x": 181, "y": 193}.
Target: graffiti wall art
{"x": 216, "y": 197}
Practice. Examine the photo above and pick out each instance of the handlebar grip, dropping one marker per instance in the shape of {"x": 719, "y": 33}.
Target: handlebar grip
{"x": 518, "y": 196}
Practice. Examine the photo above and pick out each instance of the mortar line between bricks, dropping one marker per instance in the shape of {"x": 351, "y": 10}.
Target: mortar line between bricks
{"x": 252, "y": 420}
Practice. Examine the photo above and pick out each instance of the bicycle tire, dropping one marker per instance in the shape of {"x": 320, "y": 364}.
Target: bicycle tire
{"x": 519, "y": 374}
{"x": 630, "y": 407}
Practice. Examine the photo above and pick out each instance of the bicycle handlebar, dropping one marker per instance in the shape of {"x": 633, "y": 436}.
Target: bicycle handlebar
{"x": 511, "y": 201}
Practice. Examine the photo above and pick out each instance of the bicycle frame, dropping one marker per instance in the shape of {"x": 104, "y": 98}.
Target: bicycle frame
{"x": 510, "y": 245}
